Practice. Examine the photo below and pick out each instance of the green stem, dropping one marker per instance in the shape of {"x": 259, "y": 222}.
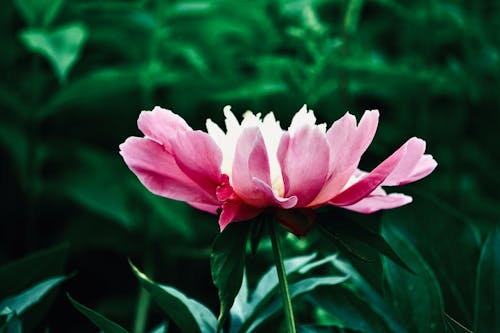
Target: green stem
{"x": 280, "y": 267}
{"x": 142, "y": 310}
{"x": 144, "y": 299}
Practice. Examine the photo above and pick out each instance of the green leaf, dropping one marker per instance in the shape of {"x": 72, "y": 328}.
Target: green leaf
{"x": 20, "y": 303}
{"x": 10, "y": 322}
{"x": 39, "y": 12}
{"x": 487, "y": 309}
{"x": 418, "y": 222}
{"x": 296, "y": 289}
{"x": 350, "y": 309}
{"x": 310, "y": 266}
{"x": 92, "y": 86}
{"x": 111, "y": 190}
{"x": 162, "y": 328}
{"x": 370, "y": 296}
{"x": 252, "y": 90}
{"x": 227, "y": 264}
{"x": 22, "y": 273}
{"x": 106, "y": 325}
{"x": 318, "y": 329}
{"x": 188, "y": 314}
{"x": 345, "y": 231}
{"x": 452, "y": 325}
{"x": 352, "y": 16}
{"x": 417, "y": 297}
{"x": 246, "y": 312}
{"x": 61, "y": 47}
{"x": 269, "y": 281}
{"x": 14, "y": 139}
{"x": 240, "y": 309}
{"x": 258, "y": 228}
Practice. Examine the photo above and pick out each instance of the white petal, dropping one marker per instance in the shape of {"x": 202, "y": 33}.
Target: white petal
{"x": 301, "y": 118}
{"x": 232, "y": 124}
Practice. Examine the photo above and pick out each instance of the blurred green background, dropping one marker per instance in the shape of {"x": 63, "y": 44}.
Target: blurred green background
{"x": 76, "y": 74}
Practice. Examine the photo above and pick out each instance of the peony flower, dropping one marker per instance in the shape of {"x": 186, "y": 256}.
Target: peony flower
{"x": 257, "y": 166}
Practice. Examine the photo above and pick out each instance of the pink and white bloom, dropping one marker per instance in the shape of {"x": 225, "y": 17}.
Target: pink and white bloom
{"x": 255, "y": 165}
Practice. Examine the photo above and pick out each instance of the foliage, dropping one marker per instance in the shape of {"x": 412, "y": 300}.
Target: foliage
{"x": 75, "y": 75}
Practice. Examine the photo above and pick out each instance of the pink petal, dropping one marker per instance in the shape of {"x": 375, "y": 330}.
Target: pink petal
{"x": 304, "y": 159}
{"x": 272, "y": 198}
{"x": 250, "y": 162}
{"x": 370, "y": 182}
{"x": 347, "y": 144}
{"x": 161, "y": 125}
{"x": 235, "y": 211}
{"x": 199, "y": 157}
{"x": 415, "y": 149}
{"x": 373, "y": 203}
{"x": 425, "y": 166}
{"x": 209, "y": 208}
{"x": 159, "y": 173}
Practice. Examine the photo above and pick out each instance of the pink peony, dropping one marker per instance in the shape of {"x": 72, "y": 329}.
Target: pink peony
{"x": 256, "y": 165}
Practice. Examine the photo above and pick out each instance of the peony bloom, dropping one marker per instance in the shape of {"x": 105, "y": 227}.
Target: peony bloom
{"x": 256, "y": 165}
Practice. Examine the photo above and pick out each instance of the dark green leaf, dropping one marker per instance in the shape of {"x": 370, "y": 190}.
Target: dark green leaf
{"x": 296, "y": 289}
{"x": 25, "y": 272}
{"x": 269, "y": 281}
{"x": 15, "y": 141}
{"x": 258, "y": 230}
{"x": 20, "y": 303}
{"x": 452, "y": 325}
{"x": 252, "y": 90}
{"x": 247, "y": 311}
{"x": 424, "y": 223}
{"x": 188, "y": 314}
{"x": 106, "y": 325}
{"x": 227, "y": 264}
{"x": 350, "y": 309}
{"x": 343, "y": 231}
{"x": 370, "y": 296}
{"x": 487, "y": 309}
{"x": 319, "y": 329}
{"x": 416, "y": 296}
{"x": 10, "y": 322}
{"x": 91, "y": 87}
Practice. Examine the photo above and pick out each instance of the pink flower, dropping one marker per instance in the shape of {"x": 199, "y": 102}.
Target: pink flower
{"x": 256, "y": 165}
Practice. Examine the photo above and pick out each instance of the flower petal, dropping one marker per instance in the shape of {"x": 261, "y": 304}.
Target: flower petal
{"x": 371, "y": 181}
{"x": 304, "y": 159}
{"x": 347, "y": 144}
{"x": 415, "y": 149}
{"x": 199, "y": 158}
{"x": 209, "y": 208}
{"x": 158, "y": 172}
{"x": 301, "y": 118}
{"x": 161, "y": 125}
{"x": 250, "y": 161}
{"x": 272, "y": 198}
{"x": 425, "y": 166}
{"x": 236, "y": 211}
{"x": 374, "y": 203}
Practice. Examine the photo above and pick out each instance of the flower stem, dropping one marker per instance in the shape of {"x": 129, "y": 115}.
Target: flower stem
{"x": 144, "y": 299}
{"x": 280, "y": 267}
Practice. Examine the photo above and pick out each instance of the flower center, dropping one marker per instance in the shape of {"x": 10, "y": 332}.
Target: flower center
{"x": 271, "y": 132}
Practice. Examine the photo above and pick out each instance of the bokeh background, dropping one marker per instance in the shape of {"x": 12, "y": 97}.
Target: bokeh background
{"x": 75, "y": 75}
